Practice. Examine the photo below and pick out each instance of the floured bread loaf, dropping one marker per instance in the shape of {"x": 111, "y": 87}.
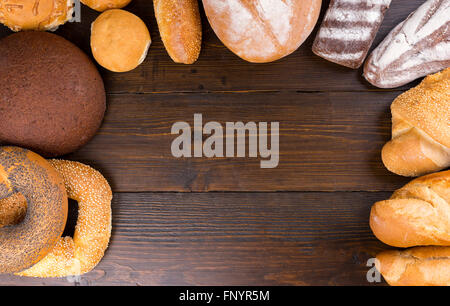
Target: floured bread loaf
{"x": 348, "y": 30}
{"x": 260, "y": 30}
{"x": 418, "y": 46}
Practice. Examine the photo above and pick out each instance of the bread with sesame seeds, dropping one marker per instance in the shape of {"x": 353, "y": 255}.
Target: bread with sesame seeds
{"x": 93, "y": 229}
{"x": 25, "y": 243}
{"x": 417, "y": 214}
{"x": 420, "y": 128}
{"x": 180, "y": 28}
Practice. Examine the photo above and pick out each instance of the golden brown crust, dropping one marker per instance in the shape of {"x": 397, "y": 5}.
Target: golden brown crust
{"x": 12, "y": 210}
{"x": 93, "y": 230}
{"x": 416, "y": 214}
{"x": 420, "y": 266}
{"x": 119, "y": 40}
{"x": 24, "y": 172}
{"x": 40, "y": 15}
{"x": 262, "y": 31}
{"x": 180, "y": 28}
{"x": 103, "y": 5}
{"x": 421, "y": 131}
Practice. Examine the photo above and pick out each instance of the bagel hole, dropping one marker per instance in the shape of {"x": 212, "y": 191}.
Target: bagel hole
{"x": 72, "y": 216}
{"x": 13, "y": 210}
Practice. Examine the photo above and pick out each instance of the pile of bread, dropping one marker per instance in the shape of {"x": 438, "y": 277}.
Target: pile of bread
{"x": 264, "y": 31}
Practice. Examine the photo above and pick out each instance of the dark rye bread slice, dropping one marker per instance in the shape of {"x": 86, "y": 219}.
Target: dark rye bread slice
{"x": 417, "y": 47}
{"x": 348, "y": 30}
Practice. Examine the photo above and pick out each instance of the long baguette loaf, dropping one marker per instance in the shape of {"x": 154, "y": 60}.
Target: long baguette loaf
{"x": 420, "y": 266}
{"x": 420, "y": 128}
{"x": 180, "y": 28}
{"x": 418, "y": 46}
{"x": 417, "y": 214}
{"x": 348, "y": 30}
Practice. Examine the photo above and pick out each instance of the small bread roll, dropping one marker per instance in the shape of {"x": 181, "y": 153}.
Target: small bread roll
{"x": 119, "y": 40}
{"x": 180, "y": 28}
{"x": 38, "y": 15}
{"x": 103, "y": 5}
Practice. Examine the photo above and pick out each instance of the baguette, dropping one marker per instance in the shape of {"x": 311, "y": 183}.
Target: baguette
{"x": 348, "y": 30}
{"x": 420, "y": 266}
{"x": 420, "y": 128}
{"x": 417, "y": 214}
{"x": 418, "y": 46}
{"x": 180, "y": 28}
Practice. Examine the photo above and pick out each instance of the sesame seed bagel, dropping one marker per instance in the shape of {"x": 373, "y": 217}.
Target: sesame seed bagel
{"x": 25, "y": 243}
{"x": 93, "y": 229}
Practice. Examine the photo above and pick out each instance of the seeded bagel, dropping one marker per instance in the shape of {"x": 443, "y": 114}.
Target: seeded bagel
{"x": 25, "y": 172}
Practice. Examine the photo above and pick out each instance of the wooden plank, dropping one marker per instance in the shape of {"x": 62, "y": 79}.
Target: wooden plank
{"x": 235, "y": 239}
{"x": 220, "y": 70}
{"x": 328, "y": 142}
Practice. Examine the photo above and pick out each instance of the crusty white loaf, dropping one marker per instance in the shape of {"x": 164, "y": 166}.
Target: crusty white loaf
{"x": 348, "y": 30}
{"x": 260, "y": 30}
{"x": 420, "y": 266}
{"x": 420, "y": 128}
{"x": 418, "y": 46}
{"x": 417, "y": 214}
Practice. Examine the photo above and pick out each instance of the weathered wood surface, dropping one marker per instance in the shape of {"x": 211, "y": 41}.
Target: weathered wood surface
{"x": 235, "y": 239}
{"x": 328, "y": 142}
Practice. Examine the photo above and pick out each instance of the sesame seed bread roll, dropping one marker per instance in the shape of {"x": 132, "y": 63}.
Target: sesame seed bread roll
{"x": 420, "y": 128}
{"x": 417, "y": 214}
{"x": 262, "y": 31}
{"x": 93, "y": 229}
{"x": 420, "y": 266}
{"x": 180, "y": 28}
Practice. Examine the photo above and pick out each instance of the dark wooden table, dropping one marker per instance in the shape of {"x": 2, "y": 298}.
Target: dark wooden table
{"x": 226, "y": 221}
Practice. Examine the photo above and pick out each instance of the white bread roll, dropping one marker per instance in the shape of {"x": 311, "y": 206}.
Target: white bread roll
{"x": 262, "y": 31}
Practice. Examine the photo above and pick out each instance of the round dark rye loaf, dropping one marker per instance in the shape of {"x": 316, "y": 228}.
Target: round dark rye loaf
{"x": 53, "y": 99}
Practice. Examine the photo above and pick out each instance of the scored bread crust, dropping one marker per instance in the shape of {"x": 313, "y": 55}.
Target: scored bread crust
{"x": 420, "y": 128}
{"x": 417, "y": 214}
{"x": 93, "y": 230}
{"x": 180, "y": 28}
{"x": 262, "y": 31}
{"x": 39, "y": 15}
{"x": 420, "y": 266}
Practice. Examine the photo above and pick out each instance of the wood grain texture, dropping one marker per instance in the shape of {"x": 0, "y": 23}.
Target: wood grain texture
{"x": 235, "y": 239}
{"x": 301, "y": 71}
{"x": 328, "y": 142}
